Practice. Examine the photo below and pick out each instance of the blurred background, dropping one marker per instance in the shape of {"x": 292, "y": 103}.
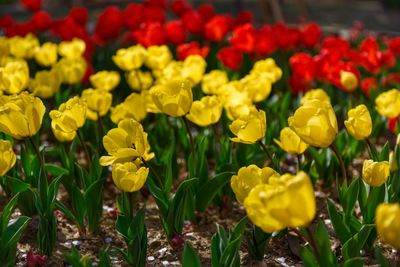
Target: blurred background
{"x": 381, "y": 16}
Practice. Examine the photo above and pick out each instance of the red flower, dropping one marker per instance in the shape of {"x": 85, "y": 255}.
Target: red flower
{"x": 286, "y": 38}
{"x": 311, "y": 35}
{"x": 336, "y": 47}
{"x": 392, "y": 124}
{"x": 150, "y": 33}
{"x": 244, "y": 38}
{"x": 265, "y": 41}
{"x": 33, "y": 259}
{"x": 175, "y": 32}
{"x": 132, "y": 16}
{"x": 79, "y": 14}
{"x": 32, "y": 5}
{"x": 193, "y": 21}
{"x": 303, "y": 65}
{"x": 41, "y": 20}
{"x": 6, "y": 21}
{"x": 153, "y": 13}
{"x": 368, "y": 84}
{"x": 156, "y": 3}
{"x": 109, "y": 23}
{"x": 179, "y": 7}
{"x": 67, "y": 29}
{"x": 394, "y": 45}
{"x": 19, "y": 29}
{"x": 298, "y": 84}
{"x": 244, "y": 17}
{"x": 217, "y": 27}
{"x": 388, "y": 59}
{"x": 391, "y": 79}
{"x": 230, "y": 57}
{"x": 193, "y": 48}
{"x": 206, "y": 11}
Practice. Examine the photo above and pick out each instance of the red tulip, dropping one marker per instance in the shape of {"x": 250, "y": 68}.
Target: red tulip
{"x": 311, "y": 35}
{"x": 230, "y": 57}
{"x": 6, "y": 21}
{"x": 303, "y": 65}
{"x": 175, "y": 32}
{"x": 179, "y": 7}
{"x": 298, "y": 84}
{"x": 32, "y": 5}
{"x": 286, "y": 38}
{"x": 41, "y": 20}
{"x": 206, "y": 11}
{"x": 153, "y": 13}
{"x": 132, "y": 16}
{"x": 244, "y": 38}
{"x": 193, "y": 48}
{"x": 67, "y": 29}
{"x": 79, "y": 14}
{"x": 394, "y": 45}
{"x": 193, "y": 21}
{"x": 109, "y": 23}
{"x": 244, "y": 17}
{"x": 368, "y": 84}
{"x": 217, "y": 27}
{"x": 265, "y": 41}
{"x": 156, "y": 3}
{"x": 150, "y": 33}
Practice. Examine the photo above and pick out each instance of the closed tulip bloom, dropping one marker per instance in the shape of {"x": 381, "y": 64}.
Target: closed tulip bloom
{"x": 130, "y": 58}
{"x": 23, "y": 47}
{"x": 46, "y": 55}
{"x": 174, "y": 98}
{"x": 105, "y": 80}
{"x": 70, "y": 116}
{"x": 276, "y": 206}
{"x": 388, "y": 103}
{"x": 128, "y": 177}
{"x": 21, "y": 115}
{"x": 250, "y": 128}
{"x": 257, "y": 87}
{"x": 125, "y": 143}
{"x": 315, "y": 123}
{"x": 318, "y": 93}
{"x": 193, "y": 68}
{"x": 387, "y": 220}
{"x": 213, "y": 80}
{"x": 359, "y": 122}
{"x": 14, "y": 77}
{"x": 7, "y": 157}
{"x": 63, "y": 136}
{"x": 268, "y": 69}
{"x": 150, "y": 105}
{"x": 392, "y": 162}
{"x": 139, "y": 80}
{"x": 291, "y": 142}
{"x": 45, "y": 84}
{"x": 348, "y": 80}
{"x": 158, "y": 57}
{"x": 72, "y": 70}
{"x": 375, "y": 173}
{"x": 72, "y": 49}
{"x": 133, "y": 107}
{"x": 249, "y": 177}
{"x": 98, "y": 102}
{"x": 205, "y": 111}
{"x": 173, "y": 70}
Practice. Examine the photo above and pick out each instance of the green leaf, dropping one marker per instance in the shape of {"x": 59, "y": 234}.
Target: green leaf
{"x": 341, "y": 229}
{"x": 384, "y": 155}
{"x": 383, "y": 262}
{"x": 7, "y": 211}
{"x": 351, "y": 249}
{"x": 55, "y": 169}
{"x": 309, "y": 260}
{"x": 159, "y": 196}
{"x": 190, "y": 257}
{"x": 354, "y": 262}
{"x": 376, "y": 196}
{"x": 14, "y": 230}
{"x": 16, "y": 185}
{"x": 350, "y": 197}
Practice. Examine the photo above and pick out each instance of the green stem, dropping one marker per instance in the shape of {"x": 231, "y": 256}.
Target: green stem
{"x": 84, "y": 146}
{"x": 371, "y": 149}
{"x": 189, "y": 133}
{"x": 265, "y": 149}
{"x": 214, "y": 128}
{"x": 132, "y": 203}
{"x": 158, "y": 177}
{"x": 37, "y": 151}
{"x": 310, "y": 240}
{"x": 341, "y": 161}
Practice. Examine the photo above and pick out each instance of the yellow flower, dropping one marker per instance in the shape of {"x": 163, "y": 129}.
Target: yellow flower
{"x": 158, "y": 57}
{"x": 193, "y": 68}
{"x": 21, "y": 115}
{"x": 276, "y": 205}
{"x": 249, "y": 177}
{"x": 149, "y": 102}
{"x": 249, "y": 128}
{"x": 318, "y": 93}
{"x": 133, "y": 107}
{"x": 375, "y": 173}
{"x": 315, "y": 123}
{"x": 139, "y": 80}
{"x": 128, "y": 177}
{"x": 46, "y": 55}
{"x": 174, "y": 97}
{"x": 387, "y": 219}
{"x": 268, "y": 69}
{"x": 4, "y": 47}
{"x": 213, "y": 80}
{"x": 205, "y": 111}
{"x": 257, "y": 86}
{"x": 392, "y": 162}
{"x": 126, "y": 143}
{"x": 173, "y": 70}
{"x": 14, "y": 77}
{"x": 7, "y": 157}
{"x": 98, "y": 102}
{"x": 388, "y": 103}
{"x": 72, "y": 49}
{"x": 23, "y": 47}
{"x": 70, "y": 116}
{"x": 105, "y": 80}
{"x": 348, "y": 80}
{"x": 236, "y": 102}
{"x": 71, "y": 70}
{"x": 130, "y": 58}
{"x": 291, "y": 142}
{"x": 45, "y": 84}
{"x": 359, "y": 123}
{"x": 63, "y": 136}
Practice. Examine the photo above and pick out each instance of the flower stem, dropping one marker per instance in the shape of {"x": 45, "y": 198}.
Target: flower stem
{"x": 372, "y": 149}
{"x": 310, "y": 239}
{"x": 158, "y": 177}
{"x": 84, "y": 146}
{"x": 341, "y": 161}
{"x": 189, "y": 133}
{"x": 132, "y": 202}
{"x": 265, "y": 149}
{"x": 37, "y": 151}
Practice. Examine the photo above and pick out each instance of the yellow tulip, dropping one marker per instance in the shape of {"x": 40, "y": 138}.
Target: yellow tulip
{"x": 158, "y": 57}
{"x": 387, "y": 219}
{"x": 250, "y": 128}
{"x": 359, "y": 122}
{"x": 276, "y": 205}
{"x": 72, "y": 49}
{"x": 392, "y": 162}
{"x": 268, "y": 69}
{"x": 257, "y": 87}
{"x": 348, "y": 80}
{"x": 23, "y": 47}
{"x": 126, "y": 143}
{"x": 130, "y": 58}
{"x": 46, "y": 55}
{"x": 70, "y": 116}
{"x": 7, "y": 157}
{"x": 128, "y": 177}
{"x": 173, "y": 98}
{"x": 205, "y": 111}
{"x": 315, "y": 123}
{"x": 21, "y": 115}
{"x": 14, "y": 77}
{"x": 4, "y": 47}
{"x": 193, "y": 68}
{"x": 388, "y": 103}
{"x": 318, "y": 93}
{"x": 291, "y": 142}
{"x": 235, "y": 101}
{"x": 71, "y": 70}
{"x": 249, "y": 177}
{"x": 63, "y": 136}
{"x": 45, "y": 84}
{"x": 375, "y": 173}
{"x": 213, "y": 80}
{"x": 98, "y": 102}
{"x": 149, "y": 102}
{"x": 139, "y": 80}
{"x": 105, "y": 80}
{"x": 133, "y": 107}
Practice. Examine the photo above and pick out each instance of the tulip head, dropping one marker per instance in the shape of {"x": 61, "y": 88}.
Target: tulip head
{"x": 105, "y": 80}
{"x": 133, "y": 107}
{"x": 250, "y": 128}
{"x": 291, "y": 142}
{"x": 46, "y": 55}
{"x": 45, "y": 84}
{"x": 348, "y": 80}
{"x": 318, "y": 93}
{"x": 257, "y": 86}
{"x": 388, "y": 103}
{"x": 14, "y": 76}
{"x": 130, "y": 58}
{"x": 387, "y": 219}
{"x": 72, "y": 71}
{"x": 193, "y": 68}
{"x": 375, "y": 173}
{"x": 139, "y": 80}
{"x": 98, "y": 102}
{"x": 128, "y": 177}
{"x": 72, "y": 49}
{"x": 205, "y": 111}
{"x": 268, "y": 69}
{"x": 359, "y": 122}
{"x": 213, "y": 80}
{"x": 158, "y": 57}
{"x": 7, "y": 157}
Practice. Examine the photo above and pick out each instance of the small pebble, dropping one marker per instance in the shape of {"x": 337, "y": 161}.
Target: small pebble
{"x": 150, "y": 258}
{"x": 165, "y": 263}
{"x": 108, "y": 240}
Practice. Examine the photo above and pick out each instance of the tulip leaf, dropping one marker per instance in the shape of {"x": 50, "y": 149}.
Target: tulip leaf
{"x": 383, "y": 262}
{"x": 352, "y": 247}
{"x": 56, "y": 170}
{"x": 384, "y": 155}
{"x": 159, "y": 197}
{"x": 190, "y": 257}
{"x": 341, "y": 229}
{"x": 324, "y": 245}
{"x": 16, "y": 185}
{"x": 7, "y": 211}
{"x": 309, "y": 259}
{"x": 354, "y": 262}
{"x": 376, "y": 196}
{"x": 350, "y": 197}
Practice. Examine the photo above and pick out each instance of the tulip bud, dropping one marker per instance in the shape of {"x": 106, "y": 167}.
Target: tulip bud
{"x": 348, "y": 80}
{"x": 193, "y": 68}
{"x": 359, "y": 122}
{"x": 133, "y": 107}
{"x": 315, "y": 123}
{"x": 387, "y": 219}
{"x": 14, "y": 77}
{"x": 392, "y": 162}
{"x": 318, "y": 93}
{"x": 105, "y": 80}
{"x": 205, "y": 111}
{"x": 249, "y": 128}
{"x": 7, "y": 157}
{"x": 63, "y": 136}
{"x": 128, "y": 177}
{"x": 130, "y": 58}
{"x": 71, "y": 70}
{"x": 23, "y": 47}
{"x": 139, "y": 80}
{"x": 46, "y": 55}
{"x": 291, "y": 142}
{"x": 213, "y": 80}
{"x": 268, "y": 69}
{"x": 72, "y": 49}
{"x": 158, "y": 57}
{"x": 388, "y": 103}
{"x": 257, "y": 87}
{"x": 45, "y": 84}
{"x": 98, "y": 102}
{"x": 375, "y": 173}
